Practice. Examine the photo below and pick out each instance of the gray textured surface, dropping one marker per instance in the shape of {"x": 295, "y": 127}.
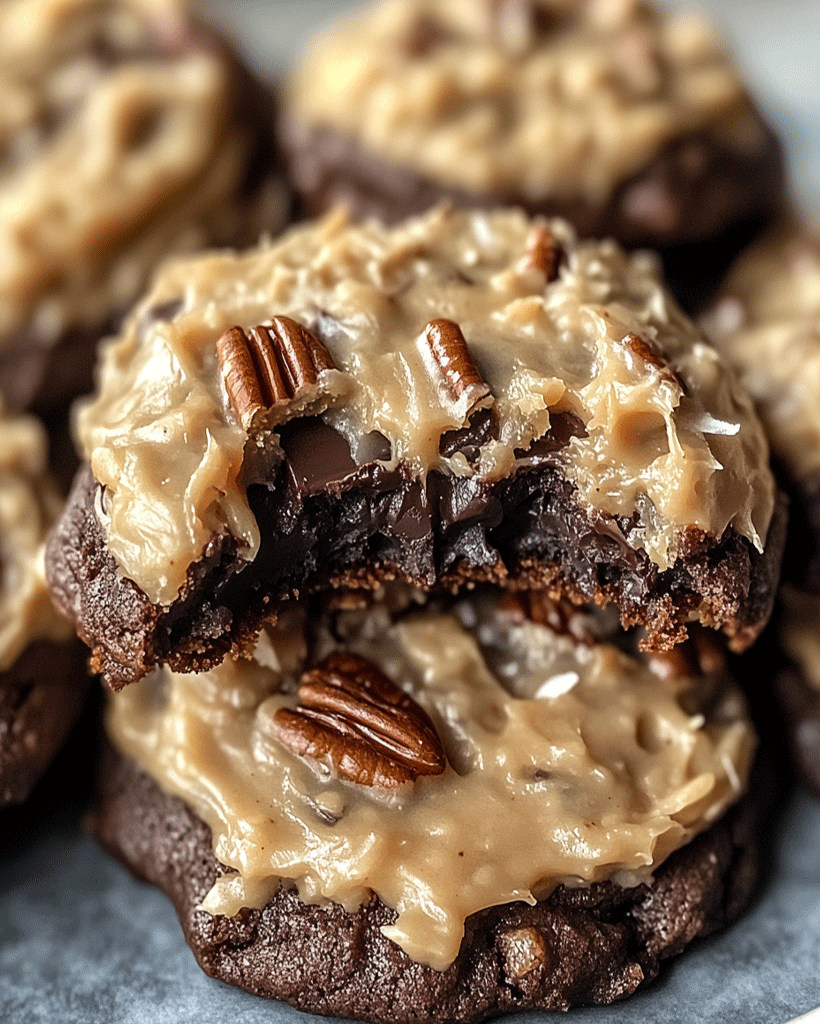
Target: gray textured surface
{"x": 83, "y": 943}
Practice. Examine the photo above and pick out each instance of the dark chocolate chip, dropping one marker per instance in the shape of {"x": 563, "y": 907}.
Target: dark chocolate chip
{"x": 464, "y": 500}
{"x": 563, "y": 427}
{"x": 318, "y": 456}
{"x": 483, "y": 427}
{"x": 410, "y": 513}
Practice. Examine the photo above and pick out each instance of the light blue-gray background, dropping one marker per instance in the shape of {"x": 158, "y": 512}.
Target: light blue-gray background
{"x": 82, "y": 943}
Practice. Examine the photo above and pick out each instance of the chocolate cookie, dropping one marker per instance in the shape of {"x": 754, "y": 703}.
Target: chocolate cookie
{"x": 579, "y": 946}
{"x": 463, "y": 398}
{"x": 537, "y": 806}
{"x": 765, "y": 324}
{"x": 627, "y": 121}
{"x": 41, "y": 696}
{"x": 43, "y": 678}
{"x": 132, "y": 133}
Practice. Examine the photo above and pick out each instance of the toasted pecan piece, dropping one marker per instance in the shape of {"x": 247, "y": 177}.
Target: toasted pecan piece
{"x": 356, "y": 722}
{"x": 268, "y": 364}
{"x": 544, "y": 253}
{"x": 649, "y": 356}
{"x": 449, "y": 350}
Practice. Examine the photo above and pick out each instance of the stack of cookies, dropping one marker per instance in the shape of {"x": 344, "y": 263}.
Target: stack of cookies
{"x": 350, "y": 500}
{"x": 414, "y": 550}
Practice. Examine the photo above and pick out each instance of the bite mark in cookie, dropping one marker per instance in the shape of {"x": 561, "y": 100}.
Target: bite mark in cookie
{"x": 574, "y": 431}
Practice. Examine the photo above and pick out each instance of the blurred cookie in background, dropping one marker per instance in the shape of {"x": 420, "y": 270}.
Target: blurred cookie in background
{"x": 627, "y": 120}
{"x": 128, "y": 131}
{"x": 798, "y": 681}
{"x": 43, "y": 678}
{"x": 766, "y": 322}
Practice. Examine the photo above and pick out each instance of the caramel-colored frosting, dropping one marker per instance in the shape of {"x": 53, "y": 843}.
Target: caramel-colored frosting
{"x": 670, "y": 438}
{"x": 29, "y": 504}
{"x": 117, "y": 147}
{"x": 568, "y": 763}
{"x": 767, "y": 323}
{"x": 553, "y": 98}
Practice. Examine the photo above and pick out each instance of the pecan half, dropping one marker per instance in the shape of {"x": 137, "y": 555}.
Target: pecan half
{"x": 448, "y": 348}
{"x": 544, "y": 253}
{"x": 269, "y": 364}
{"x": 359, "y": 724}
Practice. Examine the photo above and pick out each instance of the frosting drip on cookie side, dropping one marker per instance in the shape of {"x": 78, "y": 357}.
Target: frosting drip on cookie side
{"x": 29, "y": 504}
{"x": 665, "y": 438}
{"x": 569, "y": 762}
{"x": 467, "y": 92}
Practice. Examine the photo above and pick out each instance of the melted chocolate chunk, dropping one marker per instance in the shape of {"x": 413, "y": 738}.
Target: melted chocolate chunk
{"x": 563, "y": 427}
{"x": 319, "y": 458}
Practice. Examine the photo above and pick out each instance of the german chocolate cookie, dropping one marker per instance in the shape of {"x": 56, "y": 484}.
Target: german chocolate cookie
{"x": 436, "y": 813}
{"x": 463, "y": 398}
{"x": 626, "y": 120}
{"x": 765, "y": 324}
{"x": 41, "y": 697}
{"x": 43, "y": 681}
{"x": 128, "y": 132}
{"x": 578, "y": 947}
